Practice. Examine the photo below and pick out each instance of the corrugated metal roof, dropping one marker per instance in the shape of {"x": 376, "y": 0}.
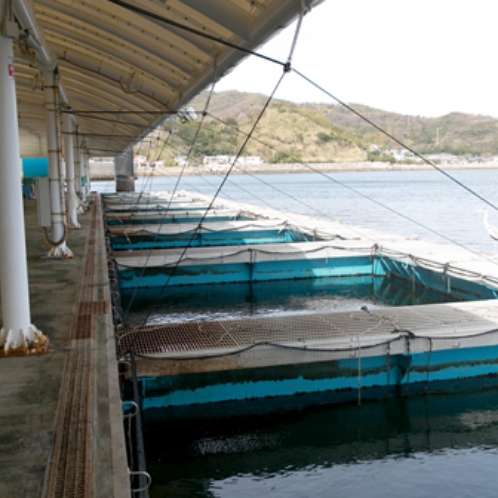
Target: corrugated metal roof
{"x": 116, "y": 65}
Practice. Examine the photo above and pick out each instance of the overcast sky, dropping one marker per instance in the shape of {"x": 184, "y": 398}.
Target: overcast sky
{"x": 416, "y": 57}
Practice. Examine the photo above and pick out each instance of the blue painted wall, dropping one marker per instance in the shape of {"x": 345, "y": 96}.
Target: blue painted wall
{"x": 397, "y": 371}
{"x": 266, "y": 271}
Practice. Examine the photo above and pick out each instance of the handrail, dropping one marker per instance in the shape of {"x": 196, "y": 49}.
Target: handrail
{"x": 141, "y": 473}
{"x": 139, "y": 440}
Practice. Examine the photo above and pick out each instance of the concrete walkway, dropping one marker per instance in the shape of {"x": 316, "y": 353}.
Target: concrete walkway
{"x": 61, "y": 432}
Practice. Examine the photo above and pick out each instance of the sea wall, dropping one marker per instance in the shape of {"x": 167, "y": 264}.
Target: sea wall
{"x": 306, "y": 168}
{"x": 104, "y": 171}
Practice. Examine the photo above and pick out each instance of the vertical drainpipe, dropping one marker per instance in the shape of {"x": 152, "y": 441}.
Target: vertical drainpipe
{"x": 82, "y": 175}
{"x": 17, "y": 333}
{"x": 87, "y": 173}
{"x": 77, "y": 165}
{"x": 72, "y": 201}
{"x": 59, "y": 229}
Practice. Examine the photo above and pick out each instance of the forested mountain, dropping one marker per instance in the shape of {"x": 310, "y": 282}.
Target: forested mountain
{"x": 291, "y": 132}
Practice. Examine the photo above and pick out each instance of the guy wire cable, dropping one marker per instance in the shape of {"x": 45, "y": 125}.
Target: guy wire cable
{"x": 194, "y": 140}
{"x": 151, "y": 172}
{"x": 298, "y": 201}
{"x": 351, "y": 189}
{"x": 165, "y": 20}
{"x": 202, "y": 34}
{"x": 286, "y": 69}
{"x": 149, "y": 254}
{"x": 392, "y": 137}
{"x": 252, "y": 194}
{"x": 194, "y": 233}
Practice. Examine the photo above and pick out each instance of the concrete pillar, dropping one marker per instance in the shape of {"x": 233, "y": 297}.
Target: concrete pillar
{"x": 124, "y": 173}
{"x": 58, "y": 236}
{"x": 17, "y": 333}
{"x": 71, "y": 200}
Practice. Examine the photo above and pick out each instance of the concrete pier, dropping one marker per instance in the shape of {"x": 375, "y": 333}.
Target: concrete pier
{"x": 61, "y": 431}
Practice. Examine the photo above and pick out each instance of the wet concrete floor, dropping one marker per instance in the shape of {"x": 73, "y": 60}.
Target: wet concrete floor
{"x": 42, "y": 452}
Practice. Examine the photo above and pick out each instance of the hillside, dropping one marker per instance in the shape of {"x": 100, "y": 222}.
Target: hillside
{"x": 456, "y": 133}
{"x": 291, "y": 132}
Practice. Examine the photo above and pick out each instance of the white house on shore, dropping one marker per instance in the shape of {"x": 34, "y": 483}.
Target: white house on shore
{"x": 221, "y": 160}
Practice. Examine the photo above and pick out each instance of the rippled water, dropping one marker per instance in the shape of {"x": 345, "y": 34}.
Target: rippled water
{"x": 441, "y": 446}
{"x": 286, "y": 297}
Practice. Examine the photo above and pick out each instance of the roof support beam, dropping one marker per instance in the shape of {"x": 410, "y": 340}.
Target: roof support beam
{"x": 226, "y": 15}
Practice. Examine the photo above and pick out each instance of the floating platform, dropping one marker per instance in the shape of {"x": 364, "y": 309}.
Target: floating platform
{"x": 180, "y": 216}
{"x": 349, "y": 355}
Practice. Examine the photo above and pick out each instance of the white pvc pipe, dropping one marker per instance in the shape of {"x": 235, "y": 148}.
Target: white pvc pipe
{"x": 82, "y": 174}
{"x": 57, "y": 211}
{"x": 53, "y": 157}
{"x": 17, "y": 329}
{"x": 72, "y": 200}
{"x": 77, "y": 166}
{"x": 25, "y": 14}
{"x": 88, "y": 181}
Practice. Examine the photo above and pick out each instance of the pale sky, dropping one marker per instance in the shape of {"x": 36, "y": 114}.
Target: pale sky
{"x": 416, "y": 57}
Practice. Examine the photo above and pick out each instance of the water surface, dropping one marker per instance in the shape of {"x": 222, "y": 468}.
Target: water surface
{"x": 442, "y": 446}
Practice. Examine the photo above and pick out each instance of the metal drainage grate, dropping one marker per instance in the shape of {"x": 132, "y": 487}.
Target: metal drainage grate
{"x": 94, "y": 308}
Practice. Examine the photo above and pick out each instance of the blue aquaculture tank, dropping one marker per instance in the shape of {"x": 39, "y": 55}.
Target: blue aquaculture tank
{"x": 35, "y": 167}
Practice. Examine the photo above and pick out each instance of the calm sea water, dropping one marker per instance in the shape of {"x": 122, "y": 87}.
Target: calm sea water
{"x": 423, "y": 203}
{"x": 441, "y": 446}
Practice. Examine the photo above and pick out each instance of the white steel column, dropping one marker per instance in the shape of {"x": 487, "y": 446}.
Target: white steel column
{"x": 72, "y": 201}
{"x": 59, "y": 229}
{"x": 17, "y": 333}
